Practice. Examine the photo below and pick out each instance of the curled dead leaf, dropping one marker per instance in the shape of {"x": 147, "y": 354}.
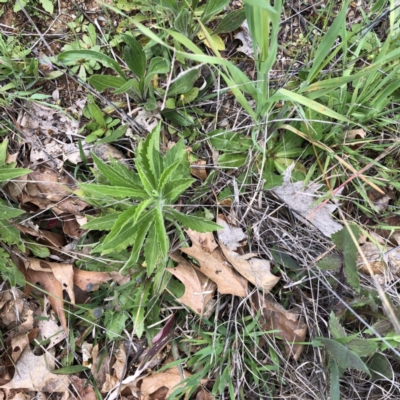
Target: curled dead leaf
{"x": 199, "y": 290}
{"x": 198, "y": 170}
{"x": 274, "y": 317}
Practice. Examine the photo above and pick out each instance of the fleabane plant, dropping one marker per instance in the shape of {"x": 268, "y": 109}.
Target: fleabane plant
{"x": 158, "y": 183}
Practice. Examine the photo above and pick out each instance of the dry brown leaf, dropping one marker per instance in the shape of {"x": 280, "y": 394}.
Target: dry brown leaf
{"x": 275, "y": 317}
{"x": 255, "y": 270}
{"x": 203, "y": 394}
{"x": 214, "y": 266}
{"x": 160, "y": 384}
{"x": 34, "y": 373}
{"x": 44, "y": 237}
{"x": 18, "y": 345}
{"x": 230, "y": 236}
{"x": 118, "y": 370}
{"x": 205, "y": 241}
{"x": 105, "y": 151}
{"x": 84, "y": 391}
{"x": 100, "y": 366}
{"x": 48, "y": 189}
{"x": 72, "y": 228}
{"x": 198, "y": 170}
{"x": 355, "y": 134}
{"x": 199, "y": 290}
{"x": 89, "y": 280}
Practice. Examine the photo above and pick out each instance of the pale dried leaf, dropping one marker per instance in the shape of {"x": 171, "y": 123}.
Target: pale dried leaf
{"x": 300, "y": 199}
{"x": 247, "y": 42}
{"x": 18, "y": 345}
{"x": 198, "y": 170}
{"x": 119, "y": 278}
{"x": 205, "y": 241}
{"x": 274, "y": 317}
{"x": 105, "y": 151}
{"x": 149, "y": 119}
{"x": 353, "y": 134}
{"x": 255, "y": 270}
{"x": 33, "y": 373}
{"x": 87, "y": 354}
{"x": 230, "y": 236}
{"x": 50, "y": 329}
{"x": 199, "y": 290}
{"x": 100, "y": 366}
{"x": 162, "y": 383}
{"x": 214, "y": 266}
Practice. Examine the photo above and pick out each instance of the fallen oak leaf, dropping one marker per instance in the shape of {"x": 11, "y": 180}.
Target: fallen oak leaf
{"x": 199, "y": 290}
{"x": 89, "y": 280}
{"x": 34, "y": 373}
{"x": 255, "y": 270}
{"x": 274, "y": 317}
{"x": 214, "y": 266}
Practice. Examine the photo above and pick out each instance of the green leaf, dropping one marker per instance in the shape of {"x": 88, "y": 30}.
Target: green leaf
{"x": 136, "y": 56}
{"x": 213, "y": 7}
{"x": 177, "y": 152}
{"x": 103, "y": 223}
{"x": 10, "y": 235}
{"x": 363, "y": 347}
{"x": 327, "y": 42}
{"x": 380, "y": 367}
{"x": 166, "y": 176}
{"x": 231, "y": 21}
{"x": 96, "y": 112}
{"x": 346, "y": 245}
{"x": 10, "y": 173}
{"x": 343, "y": 356}
{"x": 161, "y": 234}
{"x": 102, "y": 82}
{"x": 177, "y": 117}
{"x": 330, "y": 261}
{"x": 152, "y": 251}
{"x": 173, "y": 189}
{"x": 38, "y": 250}
{"x": 335, "y": 328}
{"x": 114, "y": 175}
{"x": 195, "y": 223}
{"x": 141, "y": 232}
{"x": 73, "y": 369}
{"x": 74, "y": 56}
{"x": 334, "y": 380}
{"x": 113, "y": 191}
{"x": 47, "y": 5}
{"x": 232, "y": 160}
{"x": 9, "y": 212}
{"x": 139, "y": 306}
{"x": 183, "y": 22}
{"x": 183, "y": 83}
{"x": 158, "y": 65}
{"x": 116, "y": 324}
{"x": 3, "y": 152}
{"x": 229, "y": 141}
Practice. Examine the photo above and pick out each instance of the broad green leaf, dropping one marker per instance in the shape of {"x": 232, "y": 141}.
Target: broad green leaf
{"x": 363, "y": 347}
{"x": 346, "y": 245}
{"x": 213, "y": 7}
{"x": 195, "y": 223}
{"x": 158, "y": 65}
{"x": 330, "y": 261}
{"x": 119, "y": 132}
{"x": 337, "y": 330}
{"x": 153, "y": 153}
{"x": 134, "y": 56}
{"x": 232, "y": 160}
{"x": 288, "y": 95}
{"x": 327, "y": 42}
{"x": 143, "y": 150}
{"x": 102, "y": 82}
{"x": 173, "y": 189}
{"x": 47, "y": 5}
{"x": 10, "y": 173}
{"x": 96, "y": 112}
{"x": 142, "y": 207}
{"x": 161, "y": 234}
{"x": 183, "y": 22}
{"x": 231, "y": 21}
{"x": 103, "y": 223}
{"x": 229, "y": 141}
{"x": 380, "y": 367}
{"x": 144, "y": 177}
{"x": 177, "y": 152}
{"x": 343, "y": 356}
{"x": 9, "y": 212}
{"x": 129, "y": 175}
{"x": 177, "y": 117}
{"x": 183, "y": 83}
{"x": 114, "y": 191}
{"x": 74, "y": 56}
{"x": 38, "y": 250}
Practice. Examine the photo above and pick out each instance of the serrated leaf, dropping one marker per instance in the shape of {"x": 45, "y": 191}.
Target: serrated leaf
{"x": 343, "y": 356}
{"x": 129, "y": 175}
{"x": 144, "y": 177}
{"x": 152, "y": 251}
{"x": 195, "y": 223}
{"x": 346, "y": 245}
{"x": 113, "y": 191}
{"x": 177, "y": 152}
{"x": 114, "y": 175}
{"x": 103, "y": 82}
{"x": 173, "y": 189}
{"x": 10, "y": 235}
{"x": 335, "y": 328}
{"x": 231, "y": 21}
{"x": 167, "y": 175}
{"x": 11, "y": 173}
{"x": 103, "y": 223}
{"x": 116, "y": 324}
{"x": 153, "y": 153}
